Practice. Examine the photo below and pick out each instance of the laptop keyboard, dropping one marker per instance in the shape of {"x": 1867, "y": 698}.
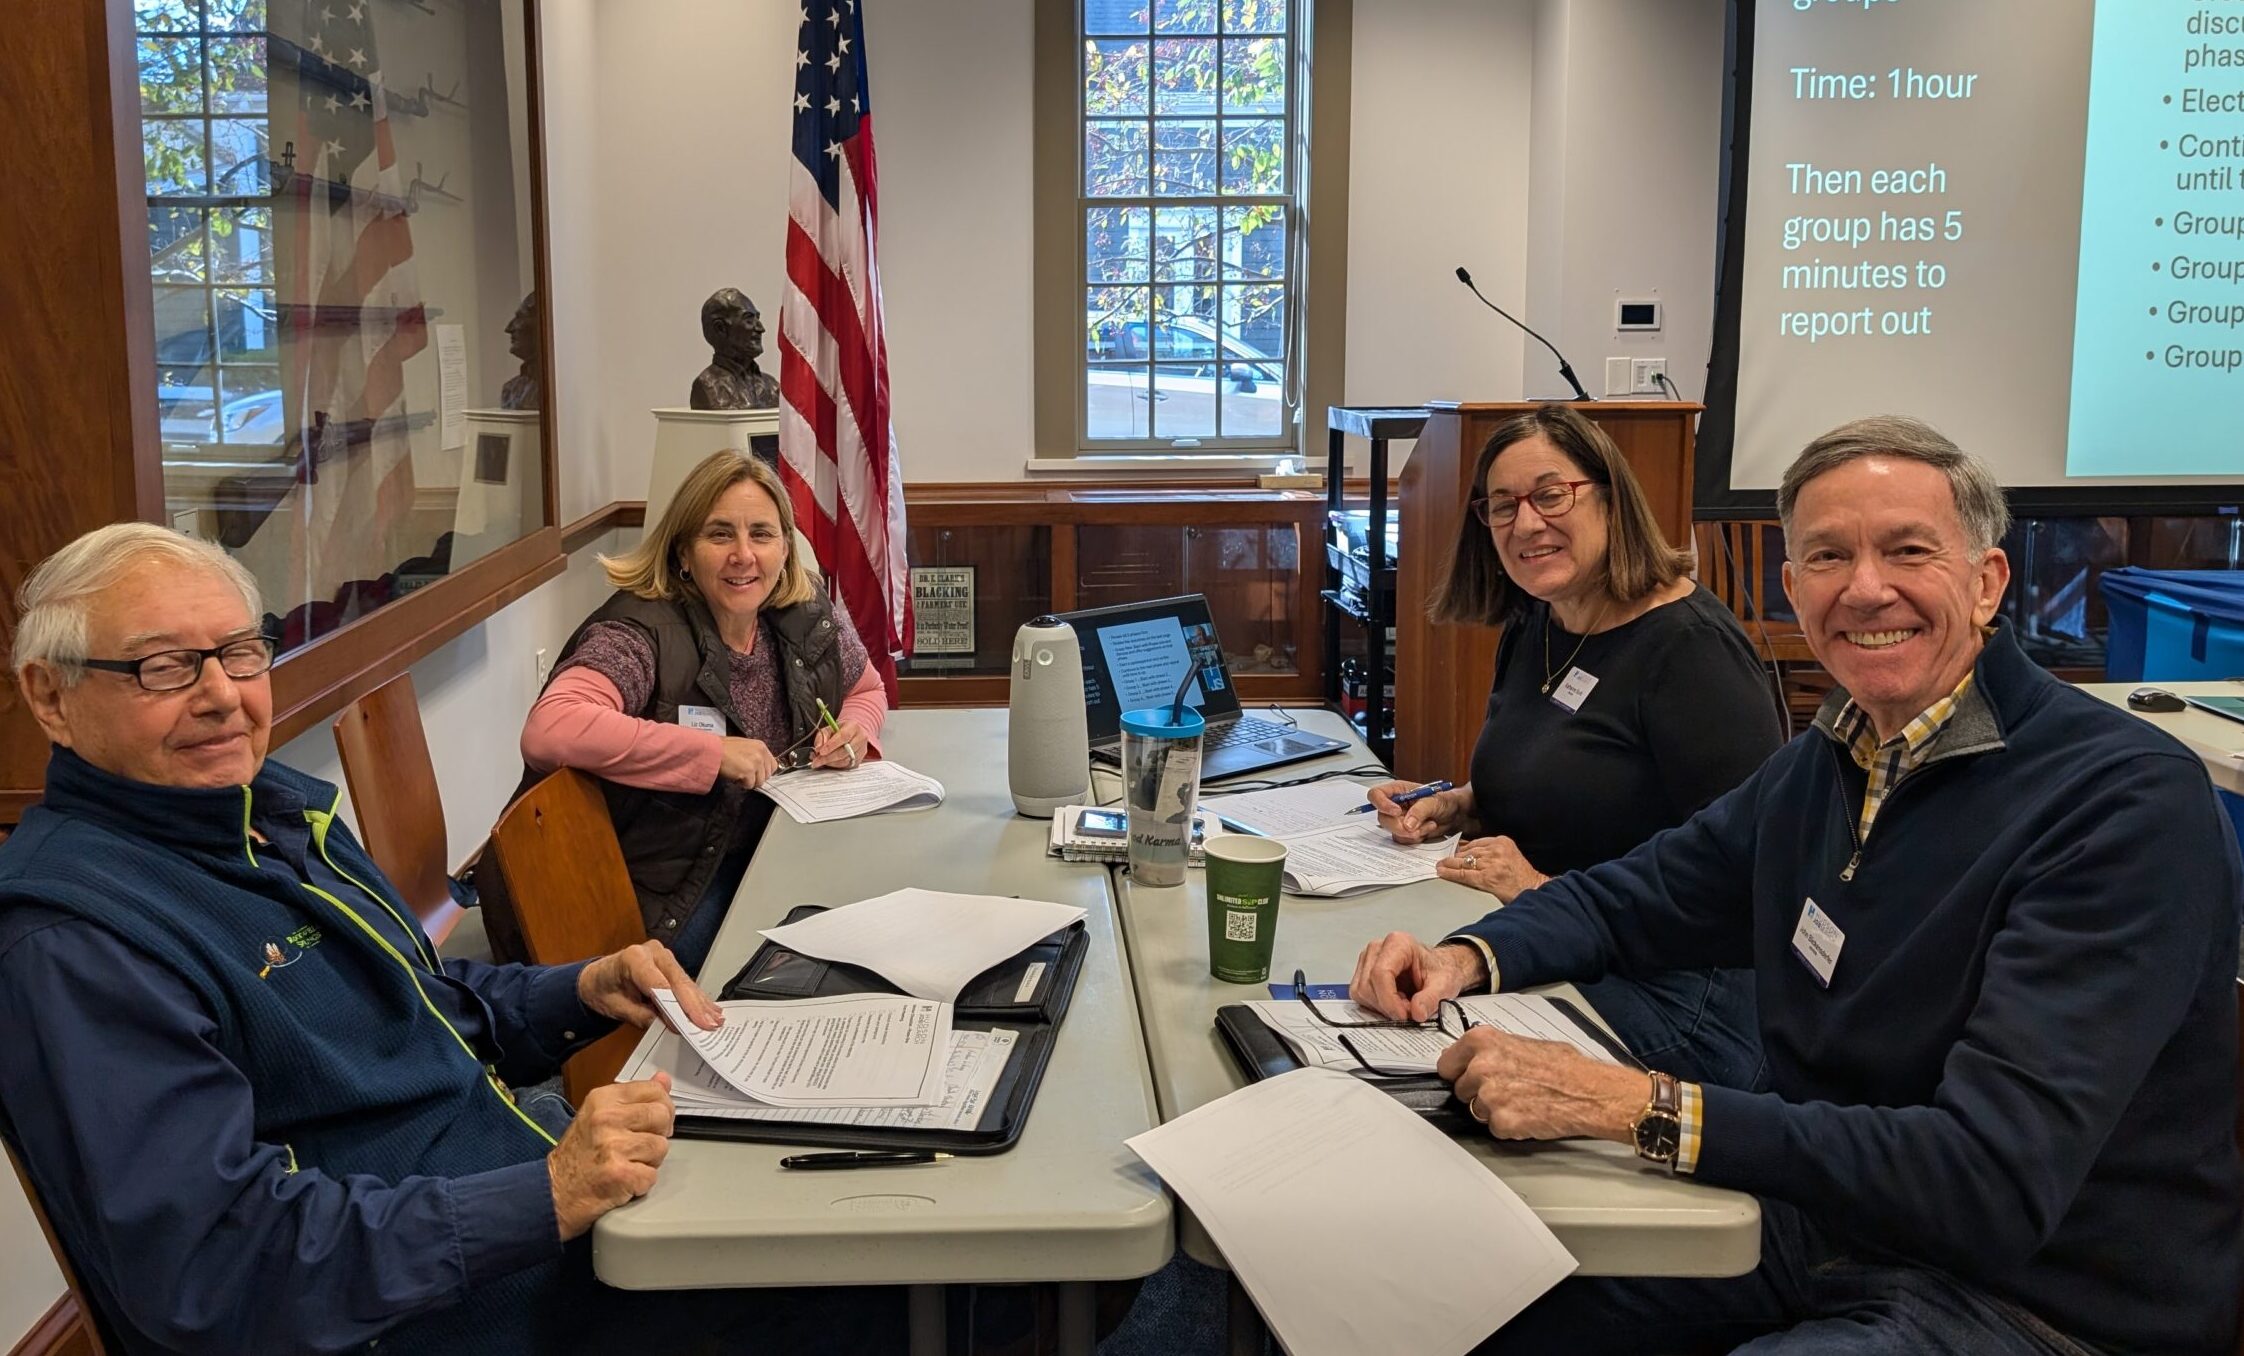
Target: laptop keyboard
{"x": 1247, "y": 730}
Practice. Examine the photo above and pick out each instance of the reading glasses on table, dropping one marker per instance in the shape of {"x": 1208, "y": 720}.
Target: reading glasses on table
{"x": 1450, "y": 1019}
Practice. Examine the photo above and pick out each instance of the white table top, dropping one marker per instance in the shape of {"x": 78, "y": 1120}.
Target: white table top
{"x": 2219, "y": 742}
{"x": 1067, "y": 1203}
{"x": 1618, "y": 1215}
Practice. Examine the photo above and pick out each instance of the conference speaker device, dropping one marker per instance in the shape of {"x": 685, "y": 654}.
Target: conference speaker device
{"x": 1565, "y": 368}
{"x": 1046, "y": 735}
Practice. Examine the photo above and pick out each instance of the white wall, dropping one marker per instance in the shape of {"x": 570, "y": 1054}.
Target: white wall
{"x": 29, "y": 1282}
{"x": 1430, "y": 189}
{"x": 1632, "y": 160}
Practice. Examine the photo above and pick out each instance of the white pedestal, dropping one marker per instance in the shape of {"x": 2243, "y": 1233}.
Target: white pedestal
{"x": 499, "y": 471}
{"x": 684, "y": 437}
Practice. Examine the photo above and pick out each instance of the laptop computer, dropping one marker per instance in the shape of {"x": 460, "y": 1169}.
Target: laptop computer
{"x": 1134, "y": 656}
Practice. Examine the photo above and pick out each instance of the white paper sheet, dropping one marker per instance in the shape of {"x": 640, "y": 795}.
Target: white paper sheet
{"x": 1318, "y": 1044}
{"x": 1354, "y": 1225}
{"x": 851, "y": 1050}
{"x": 977, "y": 1060}
{"x": 926, "y": 942}
{"x": 452, "y": 383}
{"x": 875, "y": 786}
{"x": 1329, "y": 851}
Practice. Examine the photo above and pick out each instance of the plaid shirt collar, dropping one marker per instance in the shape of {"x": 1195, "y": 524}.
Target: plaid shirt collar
{"x": 1852, "y": 728}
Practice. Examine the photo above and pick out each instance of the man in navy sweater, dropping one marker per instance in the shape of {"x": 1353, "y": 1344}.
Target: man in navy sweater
{"x": 261, "y": 1112}
{"x": 1993, "y": 925}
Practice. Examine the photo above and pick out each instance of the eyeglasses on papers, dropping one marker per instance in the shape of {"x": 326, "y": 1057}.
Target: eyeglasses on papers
{"x": 171, "y": 670}
{"x": 1554, "y": 500}
{"x": 1450, "y": 1019}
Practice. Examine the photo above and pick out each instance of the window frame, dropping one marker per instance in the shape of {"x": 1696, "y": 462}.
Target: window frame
{"x": 1291, "y": 200}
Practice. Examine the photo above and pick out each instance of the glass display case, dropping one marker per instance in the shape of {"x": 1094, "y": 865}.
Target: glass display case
{"x": 341, "y": 266}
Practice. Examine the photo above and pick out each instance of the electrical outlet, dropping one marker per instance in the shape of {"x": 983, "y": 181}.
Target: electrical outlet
{"x": 1646, "y": 374}
{"x": 1618, "y": 379}
{"x": 544, "y": 666}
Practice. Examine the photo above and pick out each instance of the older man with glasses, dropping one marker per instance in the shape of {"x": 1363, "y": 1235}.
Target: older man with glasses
{"x": 1992, "y": 924}
{"x": 262, "y": 1113}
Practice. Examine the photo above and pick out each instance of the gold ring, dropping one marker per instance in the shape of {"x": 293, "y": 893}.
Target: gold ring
{"x": 1472, "y": 1108}
{"x": 1470, "y": 861}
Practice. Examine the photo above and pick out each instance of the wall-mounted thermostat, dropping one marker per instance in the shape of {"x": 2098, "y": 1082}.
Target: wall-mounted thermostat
{"x": 1636, "y": 315}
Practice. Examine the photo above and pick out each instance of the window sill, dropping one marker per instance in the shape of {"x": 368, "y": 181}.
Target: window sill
{"x": 1170, "y": 465}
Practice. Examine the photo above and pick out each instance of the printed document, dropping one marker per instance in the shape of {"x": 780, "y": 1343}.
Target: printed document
{"x": 874, "y": 787}
{"x": 926, "y": 942}
{"x": 977, "y": 1060}
{"x": 851, "y": 1050}
{"x": 1328, "y": 850}
{"x": 1439, "y": 1253}
{"x": 1317, "y": 1043}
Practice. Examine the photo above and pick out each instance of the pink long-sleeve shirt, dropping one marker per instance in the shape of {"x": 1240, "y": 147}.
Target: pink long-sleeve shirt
{"x": 584, "y": 719}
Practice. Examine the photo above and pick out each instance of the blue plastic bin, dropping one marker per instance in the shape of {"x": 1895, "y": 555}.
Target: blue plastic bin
{"x": 2174, "y": 626}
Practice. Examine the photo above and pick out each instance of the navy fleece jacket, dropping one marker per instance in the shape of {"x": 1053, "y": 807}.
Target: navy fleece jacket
{"x": 2023, "y": 1071}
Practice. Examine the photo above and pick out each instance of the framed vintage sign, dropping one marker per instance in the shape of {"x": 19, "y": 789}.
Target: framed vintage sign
{"x": 942, "y": 611}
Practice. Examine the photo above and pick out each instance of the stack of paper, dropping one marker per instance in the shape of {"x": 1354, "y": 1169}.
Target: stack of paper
{"x": 874, "y": 787}
{"x": 1434, "y": 1258}
{"x": 1328, "y": 850}
{"x": 926, "y": 942}
{"x": 1317, "y": 1044}
{"x": 976, "y": 1062}
{"x": 855, "y": 1050}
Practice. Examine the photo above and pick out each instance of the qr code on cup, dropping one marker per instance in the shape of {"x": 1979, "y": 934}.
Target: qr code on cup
{"x": 1237, "y": 926}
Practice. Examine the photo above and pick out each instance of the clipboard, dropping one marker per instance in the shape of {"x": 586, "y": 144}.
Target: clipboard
{"x": 1261, "y": 1053}
{"x": 1026, "y": 994}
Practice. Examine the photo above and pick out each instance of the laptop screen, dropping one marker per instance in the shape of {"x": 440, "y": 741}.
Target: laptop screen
{"x": 1134, "y": 656}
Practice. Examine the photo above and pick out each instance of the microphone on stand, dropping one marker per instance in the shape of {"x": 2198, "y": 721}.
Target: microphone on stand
{"x": 1565, "y": 369}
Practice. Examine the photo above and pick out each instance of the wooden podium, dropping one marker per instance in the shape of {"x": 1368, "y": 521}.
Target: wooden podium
{"x": 1442, "y": 673}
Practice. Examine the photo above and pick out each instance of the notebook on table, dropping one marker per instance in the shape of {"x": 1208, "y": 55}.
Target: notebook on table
{"x": 1008, "y": 1019}
{"x": 1134, "y": 655}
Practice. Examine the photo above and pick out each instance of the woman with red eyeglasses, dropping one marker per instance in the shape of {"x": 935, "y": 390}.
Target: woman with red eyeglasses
{"x": 1625, "y": 700}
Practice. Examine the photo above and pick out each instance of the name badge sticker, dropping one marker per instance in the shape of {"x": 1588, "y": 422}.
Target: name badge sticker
{"x": 706, "y": 718}
{"x": 1816, "y": 941}
{"x": 1576, "y": 689}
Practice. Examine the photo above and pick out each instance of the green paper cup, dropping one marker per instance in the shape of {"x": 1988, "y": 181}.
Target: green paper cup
{"x": 1245, "y": 875}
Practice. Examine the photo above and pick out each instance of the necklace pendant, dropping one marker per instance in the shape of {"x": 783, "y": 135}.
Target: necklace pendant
{"x": 1546, "y": 687}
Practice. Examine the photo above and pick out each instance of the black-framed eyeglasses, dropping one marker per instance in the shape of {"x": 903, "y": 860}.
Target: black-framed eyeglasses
{"x": 1554, "y": 500}
{"x": 1450, "y": 1019}
{"x": 173, "y": 670}
{"x": 798, "y": 755}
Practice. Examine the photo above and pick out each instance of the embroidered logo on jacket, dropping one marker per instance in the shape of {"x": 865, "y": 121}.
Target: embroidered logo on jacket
{"x": 279, "y": 955}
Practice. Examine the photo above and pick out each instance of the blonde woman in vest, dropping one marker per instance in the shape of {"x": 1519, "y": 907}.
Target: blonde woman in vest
{"x": 697, "y": 680}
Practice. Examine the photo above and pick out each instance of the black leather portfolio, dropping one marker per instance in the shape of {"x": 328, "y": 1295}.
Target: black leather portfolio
{"x": 1027, "y": 995}
{"x": 1261, "y": 1053}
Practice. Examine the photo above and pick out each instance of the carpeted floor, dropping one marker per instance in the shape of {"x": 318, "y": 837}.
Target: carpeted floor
{"x": 1180, "y": 1312}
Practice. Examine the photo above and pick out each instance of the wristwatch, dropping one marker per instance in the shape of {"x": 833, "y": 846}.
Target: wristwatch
{"x": 1659, "y": 1126}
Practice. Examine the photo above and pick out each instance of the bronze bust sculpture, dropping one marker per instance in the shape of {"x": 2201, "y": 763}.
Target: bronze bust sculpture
{"x": 524, "y": 337}
{"x": 735, "y": 331}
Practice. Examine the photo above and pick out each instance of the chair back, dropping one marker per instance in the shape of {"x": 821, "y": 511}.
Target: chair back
{"x": 93, "y": 1333}
{"x": 392, "y": 781}
{"x": 553, "y": 879}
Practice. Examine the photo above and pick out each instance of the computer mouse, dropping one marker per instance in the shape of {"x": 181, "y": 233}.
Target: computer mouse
{"x": 2154, "y": 699}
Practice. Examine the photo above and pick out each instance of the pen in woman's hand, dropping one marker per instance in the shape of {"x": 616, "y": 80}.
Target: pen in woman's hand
{"x": 1411, "y": 797}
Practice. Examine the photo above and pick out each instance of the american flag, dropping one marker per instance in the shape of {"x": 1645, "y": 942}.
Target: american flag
{"x": 837, "y": 450}
{"x": 350, "y": 308}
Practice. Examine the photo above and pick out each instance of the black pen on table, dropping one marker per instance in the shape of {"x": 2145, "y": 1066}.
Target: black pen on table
{"x": 885, "y": 1158}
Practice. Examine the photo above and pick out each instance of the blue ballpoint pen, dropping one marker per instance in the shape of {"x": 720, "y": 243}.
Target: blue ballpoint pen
{"x": 1411, "y": 797}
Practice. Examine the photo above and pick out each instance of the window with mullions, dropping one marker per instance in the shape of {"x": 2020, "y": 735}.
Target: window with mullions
{"x": 204, "y": 139}
{"x": 1192, "y": 157}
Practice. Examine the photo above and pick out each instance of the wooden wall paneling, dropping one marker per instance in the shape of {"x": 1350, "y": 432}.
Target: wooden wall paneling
{"x": 76, "y": 433}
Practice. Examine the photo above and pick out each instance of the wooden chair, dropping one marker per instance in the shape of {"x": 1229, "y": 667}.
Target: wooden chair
{"x": 553, "y": 877}
{"x": 393, "y": 789}
{"x": 1734, "y": 559}
{"x": 76, "y": 1328}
